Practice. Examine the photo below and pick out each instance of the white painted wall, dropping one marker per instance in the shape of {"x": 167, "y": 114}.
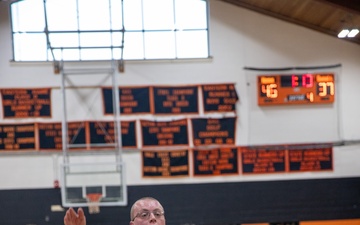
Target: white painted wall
{"x": 238, "y": 38}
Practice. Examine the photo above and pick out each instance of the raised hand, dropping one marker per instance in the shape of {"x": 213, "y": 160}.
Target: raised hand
{"x": 73, "y": 218}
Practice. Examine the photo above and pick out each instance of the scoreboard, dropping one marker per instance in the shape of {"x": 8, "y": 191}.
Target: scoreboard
{"x": 296, "y": 89}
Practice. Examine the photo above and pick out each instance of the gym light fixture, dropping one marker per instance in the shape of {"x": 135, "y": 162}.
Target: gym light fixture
{"x": 347, "y": 23}
{"x": 353, "y": 33}
{"x": 348, "y": 33}
{"x": 343, "y": 33}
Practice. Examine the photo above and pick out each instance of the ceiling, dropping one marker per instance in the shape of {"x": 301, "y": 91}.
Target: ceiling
{"x": 326, "y": 16}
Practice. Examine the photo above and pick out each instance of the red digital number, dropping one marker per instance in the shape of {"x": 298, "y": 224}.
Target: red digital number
{"x": 294, "y": 81}
{"x": 307, "y": 80}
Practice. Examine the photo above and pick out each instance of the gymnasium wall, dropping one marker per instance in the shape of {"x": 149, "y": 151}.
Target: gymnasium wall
{"x": 239, "y": 38}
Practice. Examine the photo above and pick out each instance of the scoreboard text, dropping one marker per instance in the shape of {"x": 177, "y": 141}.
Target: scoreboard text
{"x": 295, "y": 89}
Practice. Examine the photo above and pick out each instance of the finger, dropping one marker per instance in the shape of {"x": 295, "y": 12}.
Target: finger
{"x": 72, "y": 214}
{"x": 81, "y": 214}
{"x": 67, "y": 217}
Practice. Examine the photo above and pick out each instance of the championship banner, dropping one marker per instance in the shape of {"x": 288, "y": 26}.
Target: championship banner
{"x": 26, "y": 103}
{"x": 165, "y": 163}
{"x": 171, "y": 133}
{"x": 176, "y": 100}
{"x": 262, "y": 160}
{"x": 213, "y": 131}
{"x": 287, "y": 158}
{"x": 219, "y": 97}
{"x": 17, "y": 136}
{"x": 215, "y": 162}
{"x": 50, "y": 136}
{"x": 133, "y": 100}
{"x": 312, "y": 159}
{"x": 103, "y": 132}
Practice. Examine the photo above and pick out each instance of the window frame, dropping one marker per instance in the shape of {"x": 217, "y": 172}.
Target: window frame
{"x": 121, "y": 48}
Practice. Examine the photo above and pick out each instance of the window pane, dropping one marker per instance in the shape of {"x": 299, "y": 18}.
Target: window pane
{"x": 28, "y": 16}
{"x": 133, "y": 15}
{"x": 158, "y": 14}
{"x": 117, "y": 38}
{"x": 159, "y": 45}
{"x": 194, "y": 17}
{"x": 66, "y": 54}
{"x": 30, "y": 47}
{"x": 192, "y": 44}
{"x": 95, "y": 39}
{"x": 96, "y": 54}
{"x": 64, "y": 39}
{"x": 94, "y": 16}
{"x": 116, "y": 15}
{"x": 134, "y": 45}
{"x": 61, "y": 15}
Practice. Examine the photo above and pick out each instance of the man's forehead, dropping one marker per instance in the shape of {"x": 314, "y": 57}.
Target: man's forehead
{"x": 148, "y": 204}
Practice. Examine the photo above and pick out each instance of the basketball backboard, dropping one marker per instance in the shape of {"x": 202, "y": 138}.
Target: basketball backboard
{"x": 80, "y": 180}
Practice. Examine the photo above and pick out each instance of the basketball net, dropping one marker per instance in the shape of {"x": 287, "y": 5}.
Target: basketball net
{"x": 93, "y": 200}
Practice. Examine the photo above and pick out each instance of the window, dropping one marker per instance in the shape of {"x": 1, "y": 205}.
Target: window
{"x": 76, "y": 30}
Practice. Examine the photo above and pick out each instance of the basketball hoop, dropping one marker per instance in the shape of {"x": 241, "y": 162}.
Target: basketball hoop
{"x": 93, "y": 200}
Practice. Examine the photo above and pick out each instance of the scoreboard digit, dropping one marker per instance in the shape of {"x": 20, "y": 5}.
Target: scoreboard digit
{"x": 295, "y": 89}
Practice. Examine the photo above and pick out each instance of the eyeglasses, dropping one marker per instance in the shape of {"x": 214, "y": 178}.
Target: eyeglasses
{"x": 145, "y": 215}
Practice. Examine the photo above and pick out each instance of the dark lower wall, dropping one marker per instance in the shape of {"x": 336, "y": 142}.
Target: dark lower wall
{"x": 209, "y": 204}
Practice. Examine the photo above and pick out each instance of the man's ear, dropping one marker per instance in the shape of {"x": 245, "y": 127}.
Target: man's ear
{"x": 131, "y": 223}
